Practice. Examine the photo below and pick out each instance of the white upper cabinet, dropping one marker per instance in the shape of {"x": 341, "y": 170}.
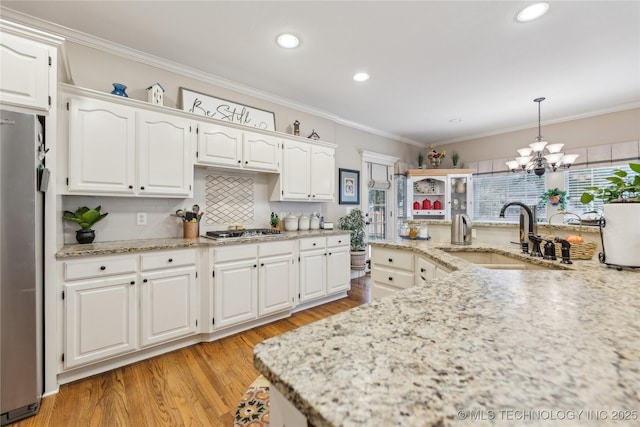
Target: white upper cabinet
{"x": 119, "y": 150}
{"x": 164, "y": 147}
{"x": 323, "y": 163}
{"x": 101, "y": 147}
{"x": 27, "y": 61}
{"x": 229, "y": 147}
{"x": 308, "y": 172}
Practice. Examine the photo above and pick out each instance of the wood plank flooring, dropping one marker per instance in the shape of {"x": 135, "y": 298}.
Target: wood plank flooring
{"x": 196, "y": 386}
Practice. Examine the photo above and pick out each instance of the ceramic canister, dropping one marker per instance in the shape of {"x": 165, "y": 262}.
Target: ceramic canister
{"x": 303, "y": 222}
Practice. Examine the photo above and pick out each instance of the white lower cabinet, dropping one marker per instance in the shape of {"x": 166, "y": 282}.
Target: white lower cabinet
{"x": 324, "y": 266}
{"x": 100, "y": 319}
{"x": 250, "y": 281}
{"x": 118, "y": 304}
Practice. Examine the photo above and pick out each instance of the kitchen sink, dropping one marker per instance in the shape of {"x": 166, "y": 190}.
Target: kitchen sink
{"x": 496, "y": 261}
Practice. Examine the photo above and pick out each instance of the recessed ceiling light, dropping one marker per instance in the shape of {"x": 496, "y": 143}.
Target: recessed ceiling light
{"x": 361, "y": 77}
{"x": 288, "y": 41}
{"x": 532, "y": 12}
{"x": 455, "y": 120}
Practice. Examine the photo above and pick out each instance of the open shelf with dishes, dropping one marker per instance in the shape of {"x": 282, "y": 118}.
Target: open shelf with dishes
{"x": 439, "y": 193}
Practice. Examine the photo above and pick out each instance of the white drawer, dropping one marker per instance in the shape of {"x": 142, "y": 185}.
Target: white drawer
{"x": 313, "y": 243}
{"x": 343, "y": 240}
{"x": 392, "y": 258}
{"x": 424, "y": 269}
{"x": 167, "y": 259}
{"x": 98, "y": 267}
{"x": 235, "y": 253}
{"x": 391, "y": 277}
{"x": 275, "y": 248}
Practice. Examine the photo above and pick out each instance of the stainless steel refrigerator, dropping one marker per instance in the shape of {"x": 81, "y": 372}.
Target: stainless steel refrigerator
{"x": 21, "y": 269}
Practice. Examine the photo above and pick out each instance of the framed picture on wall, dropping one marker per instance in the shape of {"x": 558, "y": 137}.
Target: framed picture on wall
{"x": 349, "y": 187}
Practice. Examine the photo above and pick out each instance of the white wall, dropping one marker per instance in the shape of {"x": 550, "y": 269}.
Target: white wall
{"x": 94, "y": 69}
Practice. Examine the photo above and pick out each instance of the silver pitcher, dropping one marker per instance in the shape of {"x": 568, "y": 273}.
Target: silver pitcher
{"x": 461, "y": 230}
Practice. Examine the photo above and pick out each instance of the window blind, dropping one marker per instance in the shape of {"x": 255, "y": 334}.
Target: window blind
{"x": 576, "y": 182}
{"x": 490, "y": 193}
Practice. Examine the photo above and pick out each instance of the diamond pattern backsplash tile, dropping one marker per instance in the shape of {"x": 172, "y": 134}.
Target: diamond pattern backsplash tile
{"x": 229, "y": 200}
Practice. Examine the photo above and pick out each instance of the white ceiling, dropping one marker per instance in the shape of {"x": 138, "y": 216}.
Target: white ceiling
{"x": 429, "y": 61}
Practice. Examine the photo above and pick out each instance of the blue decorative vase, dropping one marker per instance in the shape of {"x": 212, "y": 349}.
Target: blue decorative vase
{"x": 119, "y": 89}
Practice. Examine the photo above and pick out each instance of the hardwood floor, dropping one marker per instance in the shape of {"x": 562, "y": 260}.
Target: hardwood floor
{"x": 196, "y": 386}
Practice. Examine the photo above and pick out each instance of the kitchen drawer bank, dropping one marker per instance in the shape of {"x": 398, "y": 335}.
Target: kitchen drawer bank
{"x": 121, "y": 302}
{"x": 422, "y": 356}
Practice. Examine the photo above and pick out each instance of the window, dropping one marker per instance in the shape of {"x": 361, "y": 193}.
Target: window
{"x": 490, "y": 193}
{"x": 576, "y": 181}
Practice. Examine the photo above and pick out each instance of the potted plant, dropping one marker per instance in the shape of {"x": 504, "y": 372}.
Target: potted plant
{"x": 620, "y": 228}
{"x": 454, "y": 159}
{"x": 86, "y": 218}
{"x": 354, "y": 222}
{"x": 555, "y": 197}
{"x": 420, "y": 160}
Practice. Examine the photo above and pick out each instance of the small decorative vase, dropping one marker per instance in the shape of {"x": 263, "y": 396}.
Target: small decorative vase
{"x": 119, "y": 89}
{"x": 435, "y": 162}
{"x": 85, "y": 236}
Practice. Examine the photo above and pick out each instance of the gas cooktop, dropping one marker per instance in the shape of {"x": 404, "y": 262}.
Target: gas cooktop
{"x": 242, "y": 234}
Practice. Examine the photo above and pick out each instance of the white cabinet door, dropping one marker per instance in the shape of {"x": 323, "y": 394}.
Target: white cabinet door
{"x": 24, "y": 72}
{"x": 322, "y": 173}
{"x": 295, "y": 171}
{"x": 338, "y": 269}
{"x": 101, "y": 147}
{"x": 100, "y": 319}
{"x": 261, "y": 152}
{"x": 275, "y": 292}
{"x": 219, "y": 145}
{"x": 313, "y": 267}
{"x": 235, "y": 286}
{"x": 168, "y": 305}
{"x": 164, "y": 163}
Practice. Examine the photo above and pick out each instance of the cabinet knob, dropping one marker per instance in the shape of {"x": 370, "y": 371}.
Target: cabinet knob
{"x": 390, "y": 259}
{"x": 144, "y": 280}
{"x": 132, "y": 282}
{"x": 329, "y": 253}
{"x": 313, "y": 195}
{"x": 103, "y": 268}
{"x": 390, "y": 278}
{"x": 339, "y": 241}
{"x": 246, "y": 162}
{"x": 314, "y": 244}
{"x": 131, "y": 187}
{"x": 308, "y": 195}
{"x": 170, "y": 259}
{"x": 142, "y": 188}
{"x": 255, "y": 265}
{"x": 262, "y": 264}
{"x": 239, "y": 161}
{"x": 421, "y": 270}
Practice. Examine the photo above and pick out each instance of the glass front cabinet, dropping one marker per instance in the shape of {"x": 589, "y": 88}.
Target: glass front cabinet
{"x": 439, "y": 193}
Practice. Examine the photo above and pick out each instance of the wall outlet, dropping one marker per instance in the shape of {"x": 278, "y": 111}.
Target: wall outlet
{"x": 473, "y": 233}
{"x": 141, "y": 218}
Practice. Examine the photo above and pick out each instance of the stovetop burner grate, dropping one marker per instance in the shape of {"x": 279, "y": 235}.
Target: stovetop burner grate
{"x": 252, "y": 232}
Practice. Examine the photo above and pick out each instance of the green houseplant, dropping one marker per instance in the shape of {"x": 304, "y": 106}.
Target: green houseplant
{"x": 556, "y": 197}
{"x": 620, "y": 228}
{"x": 86, "y": 218}
{"x": 354, "y": 222}
{"x": 455, "y": 156}
{"x": 420, "y": 160}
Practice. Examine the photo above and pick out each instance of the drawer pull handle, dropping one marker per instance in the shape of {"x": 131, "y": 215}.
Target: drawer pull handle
{"x": 314, "y": 244}
{"x": 131, "y": 187}
{"x": 144, "y": 280}
{"x": 390, "y": 278}
{"x": 132, "y": 282}
{"x": 390, "y": 259}
{"x": 142, "y": 188}
{"x": 103, "y": 268}
{"x": 170, "y": 259}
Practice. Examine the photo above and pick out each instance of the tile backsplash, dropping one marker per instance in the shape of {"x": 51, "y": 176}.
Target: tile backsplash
{"x": 229, "y": 199}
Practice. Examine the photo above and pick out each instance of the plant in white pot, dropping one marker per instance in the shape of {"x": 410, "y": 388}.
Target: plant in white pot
{"x": 620, "y": 227}
{"x": 354, "y": 222}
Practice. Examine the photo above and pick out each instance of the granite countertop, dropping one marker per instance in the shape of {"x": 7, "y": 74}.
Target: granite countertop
{"x": 476, "y": 347}
{"x": 142, "y": 245}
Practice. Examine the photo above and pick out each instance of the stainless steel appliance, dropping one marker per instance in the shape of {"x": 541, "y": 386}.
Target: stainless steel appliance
{"x": 21, "y": 267}
{"x": 461, "y": 230}
{"x": 242, "y": 234}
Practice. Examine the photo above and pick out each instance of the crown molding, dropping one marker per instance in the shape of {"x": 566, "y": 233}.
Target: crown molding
{"x": 103, "y": 45}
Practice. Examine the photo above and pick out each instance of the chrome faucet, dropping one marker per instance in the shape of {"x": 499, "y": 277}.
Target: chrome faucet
{"x": 530, "y": 225}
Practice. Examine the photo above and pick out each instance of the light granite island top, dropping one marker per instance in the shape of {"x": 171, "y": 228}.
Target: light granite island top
{"x": 477, "y": 347}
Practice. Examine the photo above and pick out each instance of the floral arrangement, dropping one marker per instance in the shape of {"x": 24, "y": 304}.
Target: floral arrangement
{"x": 433, "y": 154}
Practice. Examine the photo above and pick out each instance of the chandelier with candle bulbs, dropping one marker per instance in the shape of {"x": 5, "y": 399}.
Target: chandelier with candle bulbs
{"x": 540, "y": 156}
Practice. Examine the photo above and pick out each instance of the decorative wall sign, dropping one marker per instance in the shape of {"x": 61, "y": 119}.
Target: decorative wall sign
{"x": 349, "y": 187}
{"x": 228, "y": 111}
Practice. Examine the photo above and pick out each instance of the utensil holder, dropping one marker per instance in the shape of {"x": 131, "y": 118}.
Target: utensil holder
{"x": 191, "y": 230}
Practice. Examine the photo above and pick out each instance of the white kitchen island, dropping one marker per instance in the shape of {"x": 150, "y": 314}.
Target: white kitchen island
{"x": 476, "y": 347}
